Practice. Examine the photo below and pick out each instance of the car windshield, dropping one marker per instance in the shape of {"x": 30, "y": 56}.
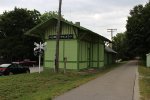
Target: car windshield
{"x": 4, "y": 65}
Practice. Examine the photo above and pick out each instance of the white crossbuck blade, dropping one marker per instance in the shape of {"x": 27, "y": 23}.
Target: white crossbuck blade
{"x": 38, "y": 46}
{"x": 44, "y": 44}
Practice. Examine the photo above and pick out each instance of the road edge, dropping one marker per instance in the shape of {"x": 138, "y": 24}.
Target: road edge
{"x": 136, "y": 86}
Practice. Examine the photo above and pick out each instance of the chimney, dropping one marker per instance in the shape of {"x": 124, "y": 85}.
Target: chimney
{"x": 77, "y": 23}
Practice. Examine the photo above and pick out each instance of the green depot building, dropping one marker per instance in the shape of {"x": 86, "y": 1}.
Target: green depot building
{"x": 110, "y": 56}
{"x": 81, "y": 47}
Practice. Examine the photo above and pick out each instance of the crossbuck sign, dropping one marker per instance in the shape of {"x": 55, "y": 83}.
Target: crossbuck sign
{"x": 39, "y": 49}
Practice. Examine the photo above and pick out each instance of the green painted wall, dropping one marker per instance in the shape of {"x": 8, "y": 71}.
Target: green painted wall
{"x": 91, "y": 54}
{"x": 109, "y": 58}
{"x": 101, "y": 55}
{"x": 66, "y": 29}
{"x": 68, "y": 48}
{"x": 95, "y": 53}
{"x": 79, "y": 53}
{"x": 106, "y": 58}
{"x": 83, "y": 54}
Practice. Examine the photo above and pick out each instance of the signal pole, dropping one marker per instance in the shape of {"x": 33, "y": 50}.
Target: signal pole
{"x": 57, "y": 38}
{"x": 111, "y": 31}
{"x": 39, "y": 50}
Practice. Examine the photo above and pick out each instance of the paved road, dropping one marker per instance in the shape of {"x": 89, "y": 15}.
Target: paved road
{"x": 117, "y": 84}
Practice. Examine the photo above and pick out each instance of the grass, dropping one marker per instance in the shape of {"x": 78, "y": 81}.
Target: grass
{"x": 144, "y": 82}
{"x": 43, "y": 86}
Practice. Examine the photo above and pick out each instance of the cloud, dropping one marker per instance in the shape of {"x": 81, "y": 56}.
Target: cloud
{"x": 97, "y": 15}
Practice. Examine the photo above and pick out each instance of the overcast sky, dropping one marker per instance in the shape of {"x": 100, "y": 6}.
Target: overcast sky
{"x": 96, "y": 15}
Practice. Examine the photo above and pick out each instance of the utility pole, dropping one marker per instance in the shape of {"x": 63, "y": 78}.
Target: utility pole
{"x": 111, "y": 31}
{"x": 57, "y": 38}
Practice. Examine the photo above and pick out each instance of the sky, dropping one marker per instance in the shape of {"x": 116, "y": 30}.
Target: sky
{"x": 96, "y": 15}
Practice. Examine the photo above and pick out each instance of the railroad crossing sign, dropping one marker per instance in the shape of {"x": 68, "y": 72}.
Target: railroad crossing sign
{"x": 39, "y": 49}
{"x": 40, "y": 46}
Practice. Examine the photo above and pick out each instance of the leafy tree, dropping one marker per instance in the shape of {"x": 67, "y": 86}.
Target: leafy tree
{"x": 48, "y": 15}
{"x": 16, "y": 22}
{"x": 138, "y": 31}
{"x": 13, "y": 24}
{"x": 120, "y": 45}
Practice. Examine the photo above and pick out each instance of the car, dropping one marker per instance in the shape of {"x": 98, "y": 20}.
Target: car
{"x": 10, "y": 69}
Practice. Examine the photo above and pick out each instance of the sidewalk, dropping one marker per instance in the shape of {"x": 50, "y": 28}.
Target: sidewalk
{"x": 117, "y": 84}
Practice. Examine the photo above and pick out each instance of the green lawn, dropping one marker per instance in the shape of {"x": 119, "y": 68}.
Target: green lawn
{"x": 43, "y": 86}
{"x": 144, "y": 79}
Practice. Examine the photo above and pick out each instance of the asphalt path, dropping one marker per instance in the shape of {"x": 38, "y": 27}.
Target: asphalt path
{"x": 118, "y": 84}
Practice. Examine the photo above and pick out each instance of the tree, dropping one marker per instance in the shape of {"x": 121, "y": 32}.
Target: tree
{"x": 13, "y": 24}
{"x": 120, "y": 45}
{"x": 47, "y": 15}
{"x": 138, "y": 32}
{"x": 16, "y": 22}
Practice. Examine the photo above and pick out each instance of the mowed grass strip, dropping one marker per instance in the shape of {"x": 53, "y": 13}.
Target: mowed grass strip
{"x": 44, "y": 86}
{"x": 144, "y": 81}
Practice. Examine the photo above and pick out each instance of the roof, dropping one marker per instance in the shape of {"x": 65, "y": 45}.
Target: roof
{"x": 110, "y": 50}
{"x": 40, "y": 27}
